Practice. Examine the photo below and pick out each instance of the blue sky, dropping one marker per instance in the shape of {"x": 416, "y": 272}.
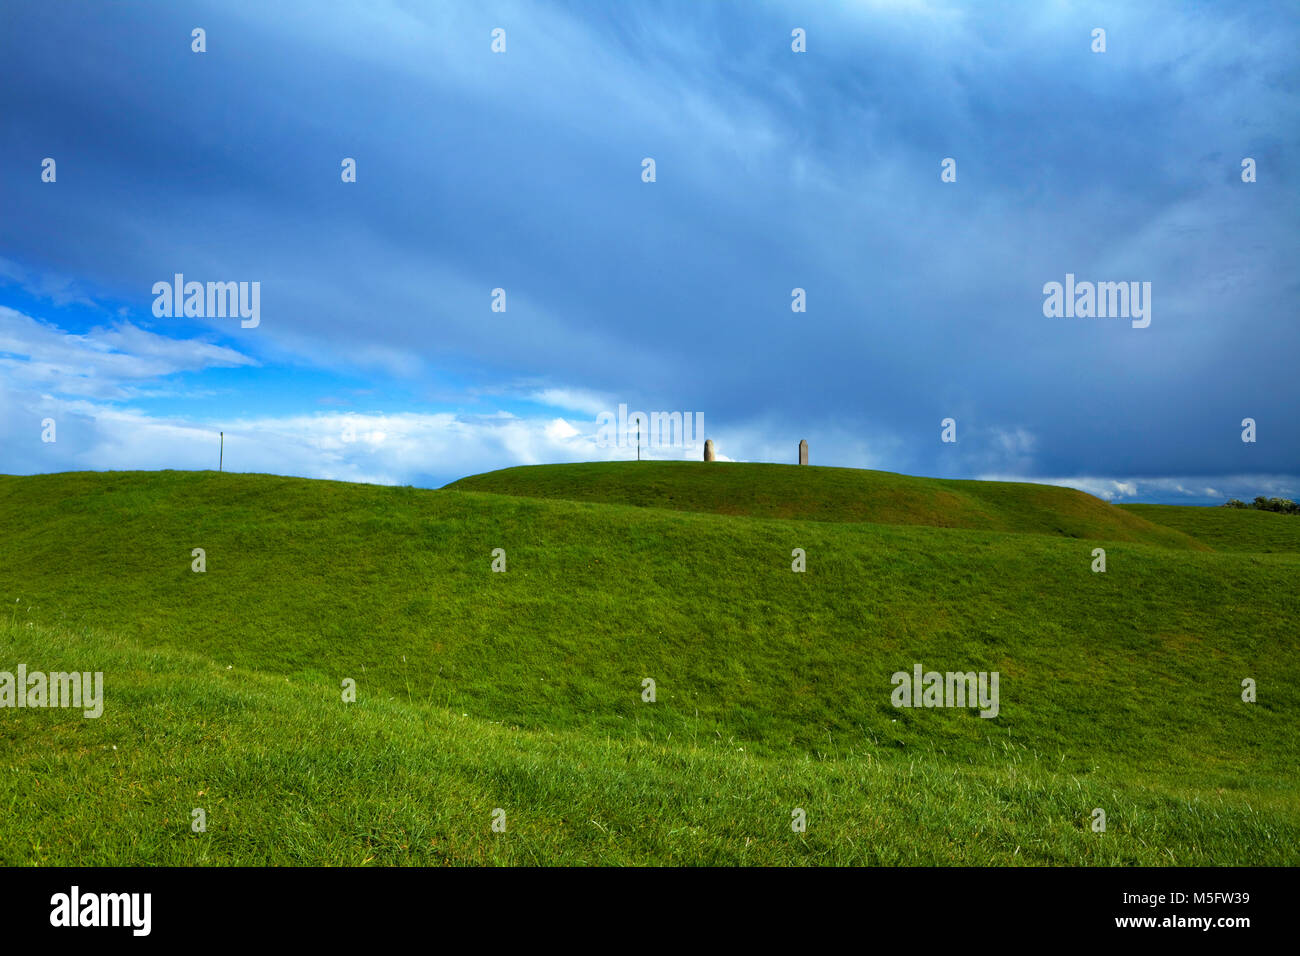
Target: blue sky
{"x": 378, "y": 356}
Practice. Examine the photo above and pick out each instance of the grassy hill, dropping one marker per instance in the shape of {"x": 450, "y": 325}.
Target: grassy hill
{"x": 522, "y": 690}
{"x": 830, "y": 494}
{"x": 1227, "y": 529}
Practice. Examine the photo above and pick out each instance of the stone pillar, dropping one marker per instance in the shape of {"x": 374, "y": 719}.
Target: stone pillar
{"x": 803, "y": 451}
{"x": 710, "y": 454}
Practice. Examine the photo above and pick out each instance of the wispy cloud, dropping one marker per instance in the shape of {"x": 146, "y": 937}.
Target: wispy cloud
{"x": 104, "y": 363}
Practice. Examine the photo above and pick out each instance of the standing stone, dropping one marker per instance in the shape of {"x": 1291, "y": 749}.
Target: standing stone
{"x": 709, "y": 453}
{"x": 803, "y": 451}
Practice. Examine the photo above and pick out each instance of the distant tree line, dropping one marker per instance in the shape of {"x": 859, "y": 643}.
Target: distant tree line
{"x": 1283, "y": 506}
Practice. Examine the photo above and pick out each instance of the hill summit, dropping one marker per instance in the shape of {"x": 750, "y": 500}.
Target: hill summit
{"x": 810, "y": 493}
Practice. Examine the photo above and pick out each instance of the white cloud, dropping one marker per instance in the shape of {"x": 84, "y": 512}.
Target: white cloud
{"x": 559, "y": 430}
{"x": 1108, "y": 489}
{"x": 1167, "y": 488}
{"x": 573, "y": 399}
{"x": 104, "y": 363}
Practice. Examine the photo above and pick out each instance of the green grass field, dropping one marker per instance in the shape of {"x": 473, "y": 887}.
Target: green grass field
{"x": 523, "y": 690}
{"x": 1228, "y": 529}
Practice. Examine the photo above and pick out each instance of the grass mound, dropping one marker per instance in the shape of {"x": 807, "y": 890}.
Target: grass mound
{"x": 831, "y": 494}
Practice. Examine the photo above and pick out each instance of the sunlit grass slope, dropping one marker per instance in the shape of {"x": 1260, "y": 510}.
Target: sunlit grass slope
{"x": 287, "y": 774}
{"x": 522, "y": 689}
{"x": 1227, "y": 529}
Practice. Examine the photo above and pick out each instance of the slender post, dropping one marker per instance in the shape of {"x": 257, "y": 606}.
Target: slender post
{"x": 221, "y": 460}
{"x": 638, "y": 439}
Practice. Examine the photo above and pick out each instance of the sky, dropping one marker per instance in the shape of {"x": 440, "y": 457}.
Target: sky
{"x": 381, "y": 352}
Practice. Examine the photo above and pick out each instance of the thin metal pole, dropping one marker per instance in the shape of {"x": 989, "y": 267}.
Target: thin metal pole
{"x": 221, "y": 461}
{"x": 638, "y": 439}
